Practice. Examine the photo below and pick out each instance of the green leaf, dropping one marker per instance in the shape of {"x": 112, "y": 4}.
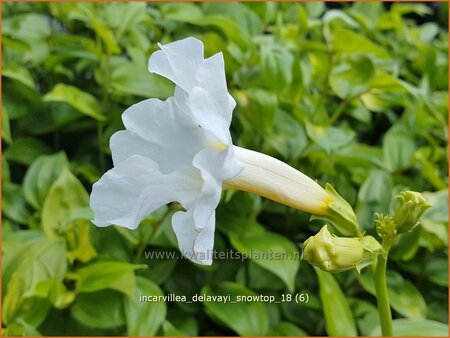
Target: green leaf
{"x": 20, "y": 328}
{"x": 144, "y": 318}
{"x": 407, "y": 245}
{"x": 128, "y": 78}
{"x": 108, "y": 275}
{"x": 6, "y": 172}
{"x": 352, "y": 78}
{"x": 231, "y": 30}
{"x": 78, "y": 99}
{"x": 25, "y": 150}
{"x": 12, "y": 302}
{"x": 312, "y": 313}
{"x": 55, "y": 291}
{"x": 347, "y": 41}
{"x": 403, "y": 295}
{"x": 276, "y": 67}
{"x": 256, "y": 277}
{"x": 24, "y": 267}
{"x": 104, "y": 33}
{"x": 286, "y": 329}
{"x": 366, "y": 315}
{"x": 259, "y": 108}
{"x": 387, "y": 82}
{"x": 14, "y": 205}
{"x": 374, "y": 196}
{"x": 37, "y": 259}
{"x": 245, "y": 318}
{"x": 335, "y": 14}
{"x": 42, "y": 173}
{"x": 315, "y": 9}
{"x": 126, "y": 15}
{"x": 31, "y": 26}
{"x": 416, "y": 327}
{"x": 398, "y": 149}
{"x": 181, "y": 12}
{"x": 6, "y": 129}
{"x": 329, "y": 138}
{"x": 436, "y": 271}
{"x": 245, "y": 17}
{"x": 438, "y": 213}
{"x": 272, "y": 252}
{"x": 170, "y": 330}
{"x": 184, "y": 323}
{"x": 101, "y": 309}
{"x": 79, "y": 242}
{"x": 377, "y": 188}
{"x": 19, "y": 73}
{"x": 334, "y": 302}
{"x": 65, "y": 197}
{"x": 287, "y": 136}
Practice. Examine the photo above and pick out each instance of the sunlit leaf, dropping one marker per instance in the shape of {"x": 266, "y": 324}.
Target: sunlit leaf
{"x": 77, "y": 98}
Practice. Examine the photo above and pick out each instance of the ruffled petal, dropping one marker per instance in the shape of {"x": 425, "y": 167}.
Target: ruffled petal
{"x": 178, "y": 61}
{"x": 214, "y": 167}
{"x": 211, "y": 78}
{"x": 195, "y": 227}
{"x": 134, "y": 188}
{"x": 158, "y": 130}
{"x": 205, "y": 110}
{"x": 196, "y": 245}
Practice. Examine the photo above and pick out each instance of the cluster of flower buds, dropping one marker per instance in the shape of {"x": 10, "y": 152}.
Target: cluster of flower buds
{"x": 335, "y": 254}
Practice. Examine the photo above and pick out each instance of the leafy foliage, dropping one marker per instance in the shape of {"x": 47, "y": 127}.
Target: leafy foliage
{"x": 356, "y": 96}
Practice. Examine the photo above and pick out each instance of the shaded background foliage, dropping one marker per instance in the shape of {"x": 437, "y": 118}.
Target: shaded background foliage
{"x": 351, "y": 94}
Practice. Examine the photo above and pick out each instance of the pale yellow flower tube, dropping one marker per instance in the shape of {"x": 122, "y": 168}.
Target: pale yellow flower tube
{"x": 271, "y": 178}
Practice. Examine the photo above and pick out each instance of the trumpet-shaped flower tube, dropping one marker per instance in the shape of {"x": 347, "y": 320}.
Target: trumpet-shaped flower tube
{"x": 181, "y": 150}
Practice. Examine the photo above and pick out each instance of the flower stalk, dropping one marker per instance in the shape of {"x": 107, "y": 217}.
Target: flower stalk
{"x": 379, "y": 278}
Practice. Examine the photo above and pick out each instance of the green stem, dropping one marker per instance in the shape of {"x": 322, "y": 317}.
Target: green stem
{"x": 384, "y": 309}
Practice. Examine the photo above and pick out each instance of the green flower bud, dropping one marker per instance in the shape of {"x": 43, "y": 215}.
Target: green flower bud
{"x": 412, "y": 206}
{"x": 340, "y": 215}
{"x": 386, "y": 226}
{"x": 336, "y": 254}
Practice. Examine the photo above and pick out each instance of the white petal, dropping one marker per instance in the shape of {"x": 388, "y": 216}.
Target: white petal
{"x": 158, "y": 130}
{"x": 195, "y": 227}
{"x": 211, "y": 78}
{"x": 178, "y": 61}
{"x": 135, "y": 187}
{"x": 209, "y": 198}
{"x": 206, "y": 111}
{"x": 196, "y": 245}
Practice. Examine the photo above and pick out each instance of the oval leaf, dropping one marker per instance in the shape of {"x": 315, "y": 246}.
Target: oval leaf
{"x": 144, "y": 318}
{"x": 108, "y": 275}
{"x": 41, "y": 175}
{"x": 65, "y": 197}
{"x": 339, "y": 319}
{"x": 102, "y": 309}
{"x": 421, "y": 327}
{"x": 78, "y": 99}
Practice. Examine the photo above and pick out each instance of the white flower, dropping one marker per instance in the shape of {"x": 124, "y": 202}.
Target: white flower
{"x": 181, "y": 150}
